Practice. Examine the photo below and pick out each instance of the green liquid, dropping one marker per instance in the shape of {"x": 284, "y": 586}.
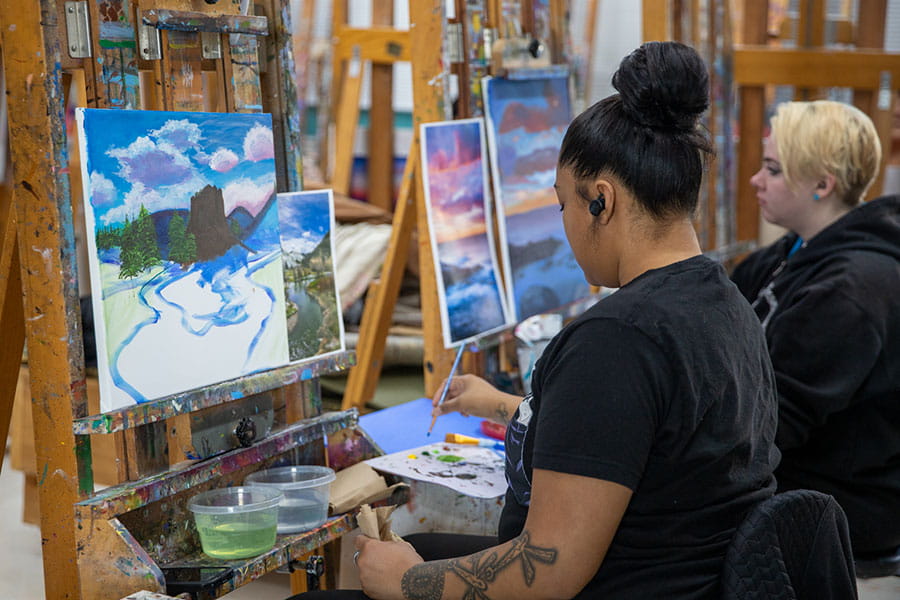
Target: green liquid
{"x": 236, "y": 538}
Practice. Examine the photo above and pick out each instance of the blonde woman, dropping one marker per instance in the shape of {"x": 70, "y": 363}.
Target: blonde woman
{"x": 828, "y": 297}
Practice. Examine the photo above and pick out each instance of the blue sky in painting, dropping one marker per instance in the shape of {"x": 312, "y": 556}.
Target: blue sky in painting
{"x": 160, "y": 159}
{"x": 528, "y": 121}
{"x": 456, "y": 184}
{"x": 304, "y": 219}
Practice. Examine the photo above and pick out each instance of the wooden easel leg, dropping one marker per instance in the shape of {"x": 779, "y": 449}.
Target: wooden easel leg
{"x": 376, "y": 318}
{"x": 345, "y": 126}
{"x": 12, "y": 317}
{"x": 381, "y": 120}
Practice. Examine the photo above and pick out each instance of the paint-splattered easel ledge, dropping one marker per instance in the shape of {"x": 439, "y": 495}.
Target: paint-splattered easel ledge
{"x": 165, "y": 408}
{"x": 126, "y": 497}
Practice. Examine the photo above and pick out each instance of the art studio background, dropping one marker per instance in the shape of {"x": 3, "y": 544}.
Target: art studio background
{"x": 483, "y": 244}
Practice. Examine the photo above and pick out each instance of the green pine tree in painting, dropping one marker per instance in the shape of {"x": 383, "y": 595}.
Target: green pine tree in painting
{"x": 108, "y": 237}
{"x": 146, "y": 239}
{"x": 182, "y": 245}
{"x": 129, "y": 257}
{"x": 140, "y": 249}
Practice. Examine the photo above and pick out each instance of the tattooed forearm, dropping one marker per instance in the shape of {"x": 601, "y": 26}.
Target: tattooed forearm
{"x": 478, "y": 571}
{"x": 425, "y": 581}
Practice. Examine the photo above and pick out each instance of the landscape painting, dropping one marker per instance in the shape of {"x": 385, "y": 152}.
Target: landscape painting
{"x": 313, "y": 309}
{"x": 526, "y": 121}
{"x": 185, "y": 254}
{"x": 456, "y": 199}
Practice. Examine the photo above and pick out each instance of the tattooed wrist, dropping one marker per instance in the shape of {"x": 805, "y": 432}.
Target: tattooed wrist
{"x": 424, "y": 581}
{"x": 502, "y": 412}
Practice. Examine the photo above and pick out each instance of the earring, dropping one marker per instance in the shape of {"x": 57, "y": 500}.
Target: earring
{"x": 816, "y": 197}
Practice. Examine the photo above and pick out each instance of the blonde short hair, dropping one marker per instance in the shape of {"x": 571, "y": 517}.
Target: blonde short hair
{"x": 826, "y": 137}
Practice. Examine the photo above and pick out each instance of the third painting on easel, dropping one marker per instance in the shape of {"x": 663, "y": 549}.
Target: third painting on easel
{"x": 455, "y": 181}
{"x": 527, "y": 119}
{"x": 314, "y": 322}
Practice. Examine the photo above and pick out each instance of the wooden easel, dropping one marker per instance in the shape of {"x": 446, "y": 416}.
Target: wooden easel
{"x": 112, "y": 543}
{"x": 427, "y": 24}
{"x": 381, "y": 46}
{"x": 810, "y": 66}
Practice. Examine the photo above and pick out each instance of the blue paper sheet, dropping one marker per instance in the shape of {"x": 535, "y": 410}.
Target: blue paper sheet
{"x": 405, "y": 426}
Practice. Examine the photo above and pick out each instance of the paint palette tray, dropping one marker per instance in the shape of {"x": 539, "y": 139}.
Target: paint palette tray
{"x": 470, "y": 470}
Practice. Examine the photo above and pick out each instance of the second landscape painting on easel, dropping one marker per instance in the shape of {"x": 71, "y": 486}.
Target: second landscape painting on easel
{"x": 527, "y": 119}
{"x": 185, "y": 251}
{"x": 456, "y": 201}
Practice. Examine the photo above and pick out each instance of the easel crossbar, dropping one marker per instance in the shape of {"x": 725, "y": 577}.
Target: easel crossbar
{"x": 126, "y": 497}
{"x": 182, "y": 403}
{"x": 192, "y": 22}
{"x": 859, "y": 69}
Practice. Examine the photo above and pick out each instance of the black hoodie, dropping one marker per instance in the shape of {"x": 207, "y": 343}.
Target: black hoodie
{"x": 832, "y": 321}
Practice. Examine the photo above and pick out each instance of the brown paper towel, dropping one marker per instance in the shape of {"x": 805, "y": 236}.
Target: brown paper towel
{"x": 356, "y": 485}
{"x": 376, "y": 523}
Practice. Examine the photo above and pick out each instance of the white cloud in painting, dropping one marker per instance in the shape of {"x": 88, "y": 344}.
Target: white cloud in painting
{"x": 180, "y": 133}
{"x": 251, "y": 194}
{"x": 154, "y": 199}
{"x": 258, "y": 144}
{"x": 103, "y": 191}
{"x": 223, "y": 160}
{"x": 304, "y": 244}
{"x": 152, "y": 164}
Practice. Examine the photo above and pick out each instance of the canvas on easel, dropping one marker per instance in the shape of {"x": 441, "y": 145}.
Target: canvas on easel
{"x": 526, "y": 121}
{"x": 315, "y": 326}
{"x": 185, "y": 251}
{"x": 184, "y": 245}
{"x": 456, "y": 198}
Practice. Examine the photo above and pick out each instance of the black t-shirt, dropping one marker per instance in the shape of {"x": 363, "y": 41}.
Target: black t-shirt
{"x": 664, "y": 387}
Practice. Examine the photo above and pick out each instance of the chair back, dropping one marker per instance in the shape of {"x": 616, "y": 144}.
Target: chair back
{"x": 792, "y": 546}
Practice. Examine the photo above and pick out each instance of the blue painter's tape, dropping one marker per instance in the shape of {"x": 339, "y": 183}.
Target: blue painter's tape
{"x": 306, "y": 375}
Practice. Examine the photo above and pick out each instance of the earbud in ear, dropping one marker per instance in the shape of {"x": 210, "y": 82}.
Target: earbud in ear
{"x": 597, "y": 206}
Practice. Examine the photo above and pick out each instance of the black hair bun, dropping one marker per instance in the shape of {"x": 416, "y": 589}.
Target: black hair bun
{"x": 663, "y": 85}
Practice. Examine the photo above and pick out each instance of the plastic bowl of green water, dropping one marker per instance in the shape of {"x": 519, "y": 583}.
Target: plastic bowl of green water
{"x": 236, "y": 522}
{"x": 306, "y": 489}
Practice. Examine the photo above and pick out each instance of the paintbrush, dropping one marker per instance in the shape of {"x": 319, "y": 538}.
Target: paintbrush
{"x": 459, "y": 353}
{"x": 458, "y": 438}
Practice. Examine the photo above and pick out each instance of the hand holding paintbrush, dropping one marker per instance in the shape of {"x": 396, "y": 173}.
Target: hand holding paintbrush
{"x": 446, "y": 388}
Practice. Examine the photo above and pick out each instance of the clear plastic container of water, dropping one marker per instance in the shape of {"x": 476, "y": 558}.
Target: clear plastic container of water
{"x": 236, "y": 522}
{"x": 306, "y": 490}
